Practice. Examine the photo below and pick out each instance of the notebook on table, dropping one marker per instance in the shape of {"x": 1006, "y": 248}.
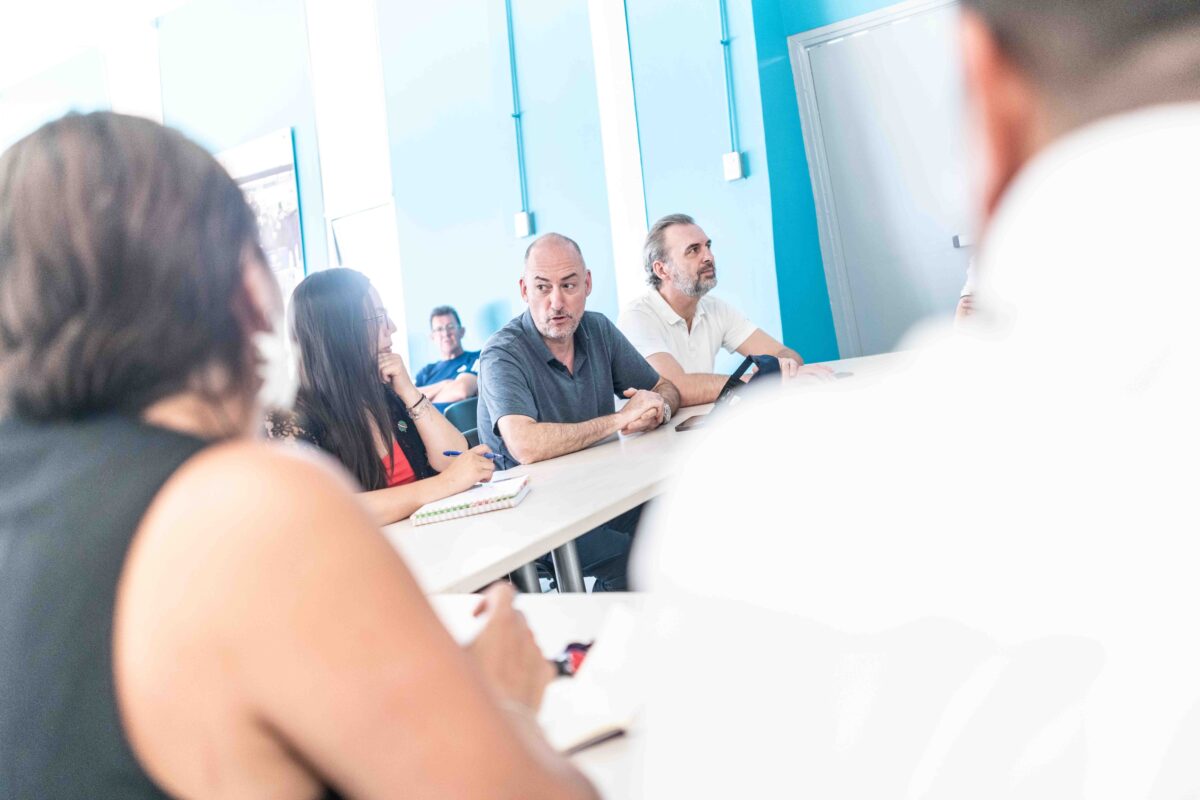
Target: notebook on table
{"x": 476, "y": 500}
{"x": 606, "y": 696}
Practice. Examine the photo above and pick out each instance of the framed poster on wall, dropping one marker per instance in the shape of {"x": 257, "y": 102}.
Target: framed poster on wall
{"x": 265, "y": 169}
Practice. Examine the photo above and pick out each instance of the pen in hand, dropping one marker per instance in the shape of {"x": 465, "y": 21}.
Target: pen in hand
{"x": 492, "y": 456}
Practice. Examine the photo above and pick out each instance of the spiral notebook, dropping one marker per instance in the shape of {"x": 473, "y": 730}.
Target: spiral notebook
{"x": 476, "y": 500}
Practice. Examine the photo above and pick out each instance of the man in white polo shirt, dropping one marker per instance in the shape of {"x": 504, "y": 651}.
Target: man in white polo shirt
{"x": 679, "y": 329}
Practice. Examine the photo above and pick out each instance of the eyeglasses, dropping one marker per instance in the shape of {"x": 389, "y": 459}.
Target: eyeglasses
{"x": 439, "y": 330}
{"x": 378, "y": 319}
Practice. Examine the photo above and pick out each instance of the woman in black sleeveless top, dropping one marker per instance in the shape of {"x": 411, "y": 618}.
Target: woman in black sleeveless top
{"x": 184, "y": 610}
{"x": 357, "y": 402}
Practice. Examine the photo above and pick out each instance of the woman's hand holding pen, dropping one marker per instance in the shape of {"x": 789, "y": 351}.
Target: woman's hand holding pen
{"x": 468, "y": 469}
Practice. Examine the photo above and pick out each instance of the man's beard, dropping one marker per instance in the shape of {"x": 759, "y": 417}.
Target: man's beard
{"x": 565, "y": 329}
{"x": 692, "y": 288}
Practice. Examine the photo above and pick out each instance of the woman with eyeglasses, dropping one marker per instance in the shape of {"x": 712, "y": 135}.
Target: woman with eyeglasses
{"x": 358, "y": 402}
{"x": 185, "y": 610}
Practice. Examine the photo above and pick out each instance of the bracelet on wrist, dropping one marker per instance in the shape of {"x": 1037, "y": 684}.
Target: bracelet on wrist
{"x": 419, "y": 408}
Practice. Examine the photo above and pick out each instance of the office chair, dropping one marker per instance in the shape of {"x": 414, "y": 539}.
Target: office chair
{"x": 462, "y": 413}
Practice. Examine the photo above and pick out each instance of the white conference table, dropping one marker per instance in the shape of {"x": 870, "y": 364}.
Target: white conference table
{"x": 568, "y": 496}
{"x": 555, "y": 620}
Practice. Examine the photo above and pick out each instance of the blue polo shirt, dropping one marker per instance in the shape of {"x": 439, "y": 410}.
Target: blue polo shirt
{"x": 451, "y": 368}
{"x": 518, "y": 375}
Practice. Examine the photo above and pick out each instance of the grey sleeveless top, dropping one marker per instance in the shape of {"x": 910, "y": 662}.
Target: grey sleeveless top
{"x": 71, "y": 496}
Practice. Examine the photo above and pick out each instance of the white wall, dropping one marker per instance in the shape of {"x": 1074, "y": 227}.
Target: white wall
{"x": 622, "y": 152}
{"x": 352, "y": 136}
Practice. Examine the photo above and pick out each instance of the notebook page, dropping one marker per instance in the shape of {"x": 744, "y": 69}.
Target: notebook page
{"x": 481, "y": 496}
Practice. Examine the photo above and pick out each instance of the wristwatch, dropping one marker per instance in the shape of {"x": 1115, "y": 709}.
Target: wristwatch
{"x": 666, "y": 412}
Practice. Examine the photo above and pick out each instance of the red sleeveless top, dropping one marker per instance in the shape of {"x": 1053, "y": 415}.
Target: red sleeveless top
{"x": 401, "y": 471}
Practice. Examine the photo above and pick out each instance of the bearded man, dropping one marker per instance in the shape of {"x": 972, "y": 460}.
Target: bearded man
{"x": 679, "y": 328}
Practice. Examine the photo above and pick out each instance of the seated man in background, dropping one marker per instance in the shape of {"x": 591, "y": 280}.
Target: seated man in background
{"x": 453, "y": 378}
{"x": 679, "y": 329}
{"x": 549, "y": 379}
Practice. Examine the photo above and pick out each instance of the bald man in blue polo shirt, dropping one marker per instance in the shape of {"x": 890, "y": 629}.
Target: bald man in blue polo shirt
{"x": 549, "y": 379}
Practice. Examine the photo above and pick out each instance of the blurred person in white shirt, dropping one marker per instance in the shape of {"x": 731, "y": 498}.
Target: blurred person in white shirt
{"x": 990, "y": 591}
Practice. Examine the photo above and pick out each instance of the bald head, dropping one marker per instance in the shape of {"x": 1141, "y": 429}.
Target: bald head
{"x": 553, "y": 247}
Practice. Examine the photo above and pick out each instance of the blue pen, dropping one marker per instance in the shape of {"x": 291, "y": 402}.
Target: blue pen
{"x": 492, "y": 456}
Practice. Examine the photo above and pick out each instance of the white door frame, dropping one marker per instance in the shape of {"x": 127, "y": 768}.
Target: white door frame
{"x": 841, "y": 300}
{"x": 619, "y": 139}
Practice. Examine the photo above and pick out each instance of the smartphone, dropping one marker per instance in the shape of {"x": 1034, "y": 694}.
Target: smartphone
{"x": 692, "y": 423}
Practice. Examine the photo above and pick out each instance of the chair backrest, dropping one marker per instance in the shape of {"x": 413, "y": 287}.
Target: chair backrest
{"x": 462, "y": 413}
{"x": 472, "y": 437}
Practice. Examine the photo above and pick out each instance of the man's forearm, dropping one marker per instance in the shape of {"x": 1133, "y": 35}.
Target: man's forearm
{"x": 693, "y": 389}
{"x": 542, "y": 440}
{"x": 671, "y": 393}
{"x": 432, "y": 390}
{"x": 460, "y": 388}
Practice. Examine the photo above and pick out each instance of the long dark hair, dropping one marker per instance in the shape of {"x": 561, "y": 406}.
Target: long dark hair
{"x": 333, "y": 324}
{"x": 122, "y": 252}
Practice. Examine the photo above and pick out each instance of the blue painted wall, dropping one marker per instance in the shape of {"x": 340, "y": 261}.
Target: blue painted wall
{"x": 804, "y": 15}
{"x": 234, "y": 71}
{"x": 453, "y": 153}
{"x": 803, "y": 292}
{"x": 79, "y": 85}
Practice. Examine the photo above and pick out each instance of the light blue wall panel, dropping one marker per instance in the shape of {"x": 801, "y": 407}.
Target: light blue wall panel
{"x": 563, "y": 151}
{"x": 453, "y": 152}
{"x": 234, "y": 71}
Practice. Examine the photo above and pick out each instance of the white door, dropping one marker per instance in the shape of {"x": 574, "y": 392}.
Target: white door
{"x": 881, "y": 101}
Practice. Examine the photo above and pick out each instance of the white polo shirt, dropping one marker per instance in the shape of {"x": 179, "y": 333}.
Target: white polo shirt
{"x": 653, "y": 327}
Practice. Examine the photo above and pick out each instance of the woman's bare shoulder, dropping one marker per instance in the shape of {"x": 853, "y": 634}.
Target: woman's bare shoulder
{"x": 258, "y": 491}
{"x": 238, "y": 455}
{"x": 219, "y": 598}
